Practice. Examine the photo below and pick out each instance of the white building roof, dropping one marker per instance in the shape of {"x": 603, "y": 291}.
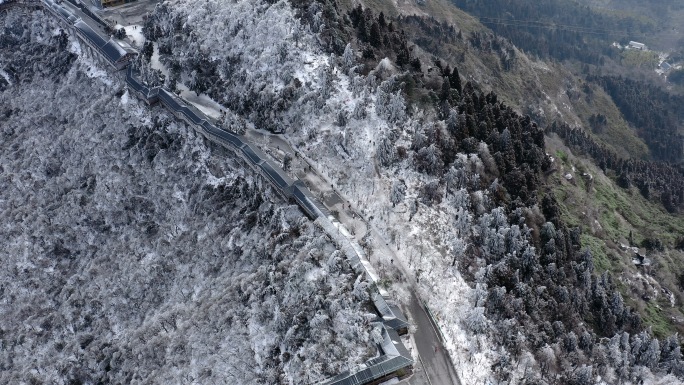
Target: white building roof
{"x": 636, "y": 44}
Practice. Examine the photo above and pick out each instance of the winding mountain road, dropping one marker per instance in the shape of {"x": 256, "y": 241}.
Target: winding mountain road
{"x": 433, "y": 366}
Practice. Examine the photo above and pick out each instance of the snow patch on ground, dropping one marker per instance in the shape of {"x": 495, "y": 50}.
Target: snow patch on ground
{"x": 311, "y": 64}
{"x": 203, "y": 102}
{"x": 75, "y": 47}
{"x": 135, "y": 34}
{"x": 93, "y": 71}
{"x": 125, "y": 98}
{"x": 6, "y": 76}
{"x": 155, "y": 63}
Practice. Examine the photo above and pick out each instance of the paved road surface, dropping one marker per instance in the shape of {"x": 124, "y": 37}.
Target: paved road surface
{"x": 433, "y": 356}
{"x": 97, "y": 27}
{"x": 129, "y": 13}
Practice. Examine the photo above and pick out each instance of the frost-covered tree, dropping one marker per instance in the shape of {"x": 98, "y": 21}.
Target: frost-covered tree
{"x": 396, "y": 109}
{"x": 385, "y": 152}
{"x": 413, "y": 208}
{"x": 458, "y": 249}
{"x": 582, "y": 375}
{"x": 398, "y": 192}
{"x": 429, "y": 159}
{"x": 287, "y": 161}
{"x": 390, "y": 104}
{"x": 342, "y": 118}
{"x": 476, "y": 321}
{"x": 348, "y": 58}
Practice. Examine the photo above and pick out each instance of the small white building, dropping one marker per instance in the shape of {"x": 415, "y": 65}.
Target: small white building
{"x": 636, "y": 45}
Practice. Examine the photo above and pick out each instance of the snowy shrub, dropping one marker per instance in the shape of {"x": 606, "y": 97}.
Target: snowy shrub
{"x": 475, "y": 320}
{"x": 398, "y": 192}
{"x": 385, "y": 152}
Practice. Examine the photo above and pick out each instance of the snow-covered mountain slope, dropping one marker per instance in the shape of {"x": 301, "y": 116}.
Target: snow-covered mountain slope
{"x": 246, "y": 55}
{"x": 453, "y": 188}
{"x": 134, "y": 253}
{"x": 372, "y": 109}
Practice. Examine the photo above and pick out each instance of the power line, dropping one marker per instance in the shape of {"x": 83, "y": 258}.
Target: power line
{"x": 540, "y": 24}
{"x": 565, "y": 27}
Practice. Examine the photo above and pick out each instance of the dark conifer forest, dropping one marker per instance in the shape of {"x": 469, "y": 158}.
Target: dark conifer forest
{"x": 657, "y": 114}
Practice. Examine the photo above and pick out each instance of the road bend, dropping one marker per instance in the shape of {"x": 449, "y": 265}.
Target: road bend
{"x": 433, "y": 367}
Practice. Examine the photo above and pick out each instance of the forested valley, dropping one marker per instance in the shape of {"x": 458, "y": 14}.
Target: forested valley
{"x": 582, "y": 35}
{"x": 562, "y": 30}
{"x": 656, "y": 113}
